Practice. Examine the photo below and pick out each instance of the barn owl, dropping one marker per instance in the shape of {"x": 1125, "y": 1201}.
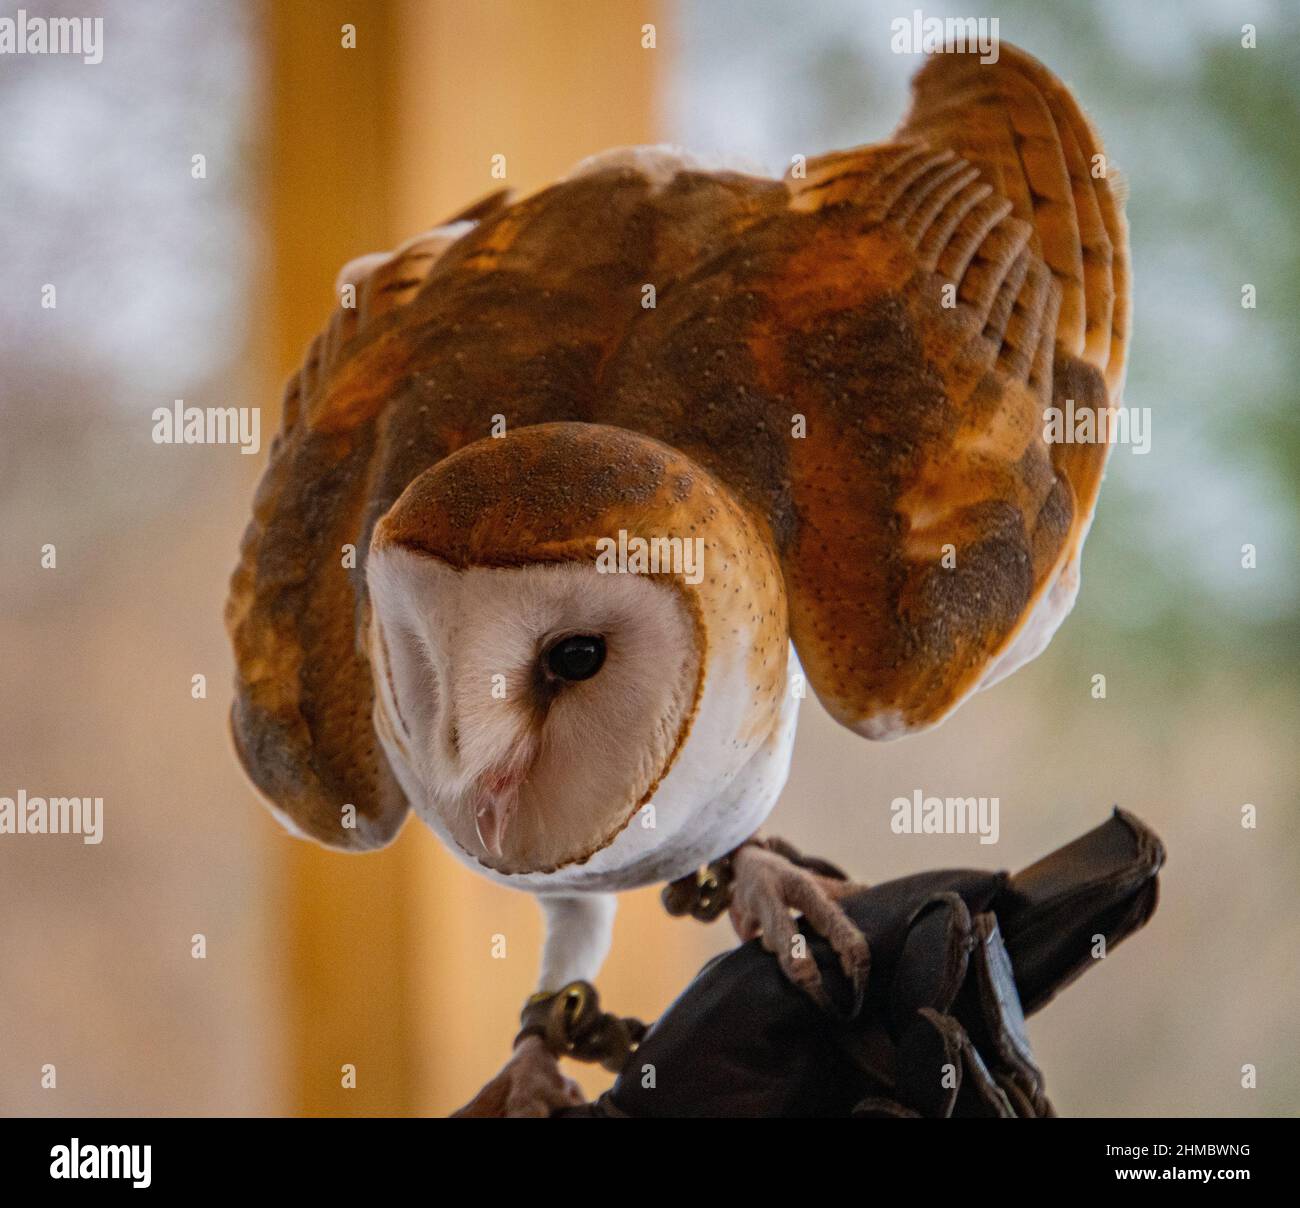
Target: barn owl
{"x": 465, "y": 592}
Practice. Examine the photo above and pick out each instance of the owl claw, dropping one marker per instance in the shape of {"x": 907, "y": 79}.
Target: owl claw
{"x": 767, "y": 887}
{"x": 529, "y": 1085}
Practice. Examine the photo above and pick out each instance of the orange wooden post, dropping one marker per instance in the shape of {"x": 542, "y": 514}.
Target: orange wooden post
{"x": 326, "y": 167}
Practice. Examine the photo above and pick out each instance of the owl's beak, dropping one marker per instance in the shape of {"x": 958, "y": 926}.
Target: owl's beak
{"x": 498, "y": 797}
{"x": 491, "y": 820}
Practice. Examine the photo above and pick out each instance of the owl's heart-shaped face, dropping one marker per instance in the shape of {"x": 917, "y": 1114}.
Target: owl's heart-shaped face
{"x": 532, "y": 709}
{"x": 568, "y": 625}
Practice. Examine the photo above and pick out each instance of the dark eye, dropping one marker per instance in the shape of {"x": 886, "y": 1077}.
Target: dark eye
{"x": 576, "y": 658}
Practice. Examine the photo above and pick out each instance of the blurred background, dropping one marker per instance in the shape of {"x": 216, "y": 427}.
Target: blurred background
{"x": 207, "y": 287}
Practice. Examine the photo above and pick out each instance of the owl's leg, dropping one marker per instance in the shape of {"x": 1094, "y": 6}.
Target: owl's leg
{"x": 769, "y": 880}
{"x": 579, "y": 931}
{"x": 559, "y": 1017}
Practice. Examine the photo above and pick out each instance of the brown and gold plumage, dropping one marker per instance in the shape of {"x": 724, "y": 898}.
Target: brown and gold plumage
{"x": 843, "y": 376}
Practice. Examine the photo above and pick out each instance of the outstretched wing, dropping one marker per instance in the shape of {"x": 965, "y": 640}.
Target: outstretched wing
{"x": 1008, "y": 197}
{"x": 871, "y": 367}
{"x": 301, "y": 717}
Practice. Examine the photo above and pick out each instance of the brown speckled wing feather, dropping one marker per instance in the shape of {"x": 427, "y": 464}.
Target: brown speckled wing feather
{"x": 301, "y": 717}
{"x": 1007, "y": 196}
{"x": 924, "y": 421}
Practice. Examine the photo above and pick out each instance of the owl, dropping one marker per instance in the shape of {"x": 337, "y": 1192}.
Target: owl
{"x": 576, "y": 491}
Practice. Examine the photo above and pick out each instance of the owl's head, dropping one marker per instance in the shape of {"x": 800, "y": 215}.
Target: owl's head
{"x": 559, "y": 618}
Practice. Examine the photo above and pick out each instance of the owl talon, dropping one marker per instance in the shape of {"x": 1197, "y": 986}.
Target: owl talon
{"x": 530, "y": 1084}
{"x": 767, "y": 887}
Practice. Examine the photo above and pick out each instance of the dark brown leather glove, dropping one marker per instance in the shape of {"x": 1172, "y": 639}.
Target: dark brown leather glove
{"x": 958, "y": 959}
